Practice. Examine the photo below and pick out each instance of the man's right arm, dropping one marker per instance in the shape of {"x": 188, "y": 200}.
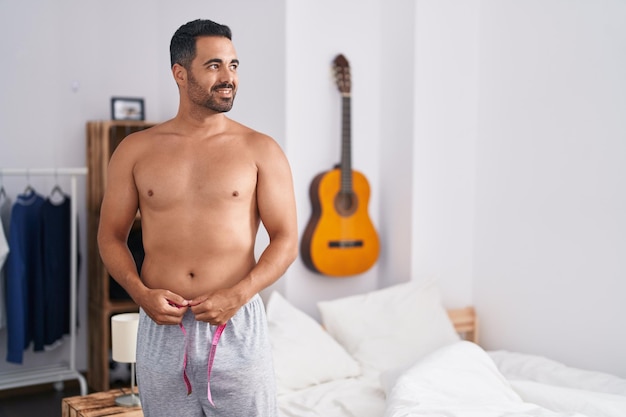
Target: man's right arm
{"x": 117, "y": 215}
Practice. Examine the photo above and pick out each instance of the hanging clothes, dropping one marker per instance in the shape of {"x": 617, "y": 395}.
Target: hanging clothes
{"x": 56, "y": 268}
{"x": 4, "y": 252}
{"x": 24, "y": 277}
{"x": 5, "y": 215}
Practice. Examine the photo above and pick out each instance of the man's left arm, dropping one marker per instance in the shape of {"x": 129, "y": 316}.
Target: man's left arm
{"x": 277, "y": 208}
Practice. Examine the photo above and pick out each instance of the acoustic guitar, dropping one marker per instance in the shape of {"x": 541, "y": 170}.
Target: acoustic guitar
{"x": 340, "y": 239}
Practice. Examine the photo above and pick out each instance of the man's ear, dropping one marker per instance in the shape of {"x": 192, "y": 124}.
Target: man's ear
{"x": 180, "y": 74}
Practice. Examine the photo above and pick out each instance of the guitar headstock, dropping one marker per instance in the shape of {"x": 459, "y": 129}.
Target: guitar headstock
{"x": 342, "y": 74}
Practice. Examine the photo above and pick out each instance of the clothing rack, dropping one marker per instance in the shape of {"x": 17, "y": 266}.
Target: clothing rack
{"x": 63, "y": 371}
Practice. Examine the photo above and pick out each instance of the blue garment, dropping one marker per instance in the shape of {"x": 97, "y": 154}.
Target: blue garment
{"x": 56, "y": 269}
{"x": 24, "y": 277}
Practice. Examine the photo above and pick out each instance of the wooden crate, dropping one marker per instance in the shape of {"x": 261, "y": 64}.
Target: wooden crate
{"x": 99, "y": 404}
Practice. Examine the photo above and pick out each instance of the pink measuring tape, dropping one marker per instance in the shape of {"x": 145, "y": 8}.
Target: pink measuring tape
{"x": 214, "y": 342}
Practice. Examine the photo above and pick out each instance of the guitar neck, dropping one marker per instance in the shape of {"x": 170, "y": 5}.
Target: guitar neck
{"x": 346, "y": 147}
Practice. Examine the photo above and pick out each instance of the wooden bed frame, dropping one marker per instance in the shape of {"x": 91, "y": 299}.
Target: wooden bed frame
{"x": 465, "y": 322}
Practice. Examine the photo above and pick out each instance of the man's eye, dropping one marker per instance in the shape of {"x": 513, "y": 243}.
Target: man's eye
{"x": 234, "y": 67}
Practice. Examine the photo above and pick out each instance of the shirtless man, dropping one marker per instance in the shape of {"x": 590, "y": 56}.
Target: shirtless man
{"x": 203, "y": 183}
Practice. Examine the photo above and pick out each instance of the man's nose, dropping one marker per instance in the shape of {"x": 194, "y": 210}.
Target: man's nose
{"x": 227, "y": 75}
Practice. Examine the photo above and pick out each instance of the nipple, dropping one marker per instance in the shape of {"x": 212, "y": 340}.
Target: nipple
{"x": 235, "y": 193}
{"x": 150, "y": 193}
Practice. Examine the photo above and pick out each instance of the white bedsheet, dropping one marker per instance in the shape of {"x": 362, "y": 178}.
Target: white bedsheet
{"x": 564, "y": 400}
{"x": 349, "y": 397}
{"x": 461, "y": 380}
{"x": 521, "y": 366}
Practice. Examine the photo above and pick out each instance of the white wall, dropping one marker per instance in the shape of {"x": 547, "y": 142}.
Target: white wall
{"x": 445, "y": 117}
{"x": 550, "y": 262}
{"x": 397, "y": 104}
{"x": 491, "y": 134}
{"x": 520, "y": 160}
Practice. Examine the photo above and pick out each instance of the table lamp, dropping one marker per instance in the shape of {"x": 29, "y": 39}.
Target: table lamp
{"x": 124, "y": 344}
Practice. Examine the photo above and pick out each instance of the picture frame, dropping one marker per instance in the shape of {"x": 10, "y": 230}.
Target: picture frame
{"x": 127, "y": 108}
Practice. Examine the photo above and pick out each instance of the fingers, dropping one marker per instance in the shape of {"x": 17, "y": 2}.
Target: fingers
{"x": 205, "y": 311}
{"x": 176, "y": 300}
{"x": 165, "y": 307}
{"x": 213, "y": 309}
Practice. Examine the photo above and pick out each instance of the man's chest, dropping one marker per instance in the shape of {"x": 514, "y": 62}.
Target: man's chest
{"x": 163, "y": 179}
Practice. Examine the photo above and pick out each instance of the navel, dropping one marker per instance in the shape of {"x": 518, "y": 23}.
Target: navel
{"x": 191, "y": 275}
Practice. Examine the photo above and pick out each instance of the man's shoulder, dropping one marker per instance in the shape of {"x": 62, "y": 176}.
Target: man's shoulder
{"x": 137, "y": 142}
{"x": 148, "y": 133}
{"x": 157, "y": 129}
{"x": 254, "y": 136}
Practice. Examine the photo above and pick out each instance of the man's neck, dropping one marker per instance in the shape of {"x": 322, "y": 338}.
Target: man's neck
{"x": 205, "y": 124}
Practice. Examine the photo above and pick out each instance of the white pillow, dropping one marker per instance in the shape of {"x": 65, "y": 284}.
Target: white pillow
{"x": 304, "y": 353}
{"x": 391, "y": 327}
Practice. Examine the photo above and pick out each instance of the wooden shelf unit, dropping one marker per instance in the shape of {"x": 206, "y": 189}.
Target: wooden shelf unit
{"x": 102, "y": 139}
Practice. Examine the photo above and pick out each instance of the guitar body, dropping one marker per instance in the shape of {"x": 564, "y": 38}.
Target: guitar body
{"x": 340, "y": 239}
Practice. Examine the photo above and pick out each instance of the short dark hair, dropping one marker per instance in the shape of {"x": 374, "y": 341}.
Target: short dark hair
{"x": 183, "y": 44}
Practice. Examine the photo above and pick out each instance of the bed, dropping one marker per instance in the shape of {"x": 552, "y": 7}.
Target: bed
{"x": 396, "y": 352}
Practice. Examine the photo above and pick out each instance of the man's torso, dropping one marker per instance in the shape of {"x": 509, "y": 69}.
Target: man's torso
{"x": 197, "y": 199}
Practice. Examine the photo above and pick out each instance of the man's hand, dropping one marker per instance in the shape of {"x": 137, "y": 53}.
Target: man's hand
{"x": 217, "y": 307}
{"x": 163, "y": 306}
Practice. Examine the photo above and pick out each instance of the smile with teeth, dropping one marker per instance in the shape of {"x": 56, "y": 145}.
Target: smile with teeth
{"x": 224, "y": 90}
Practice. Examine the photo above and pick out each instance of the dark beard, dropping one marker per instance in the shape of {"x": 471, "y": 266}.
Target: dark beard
{"x": 199, "y": 96}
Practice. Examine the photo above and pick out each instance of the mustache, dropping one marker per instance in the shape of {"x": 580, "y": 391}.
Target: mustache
{"x": 223, "y": 85}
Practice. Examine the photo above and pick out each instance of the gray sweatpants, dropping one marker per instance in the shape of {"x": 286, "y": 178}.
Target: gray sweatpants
{"x": 242, "y": 377}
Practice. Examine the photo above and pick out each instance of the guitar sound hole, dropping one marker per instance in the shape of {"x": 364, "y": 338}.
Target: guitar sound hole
{"x": 346, "y": 204}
